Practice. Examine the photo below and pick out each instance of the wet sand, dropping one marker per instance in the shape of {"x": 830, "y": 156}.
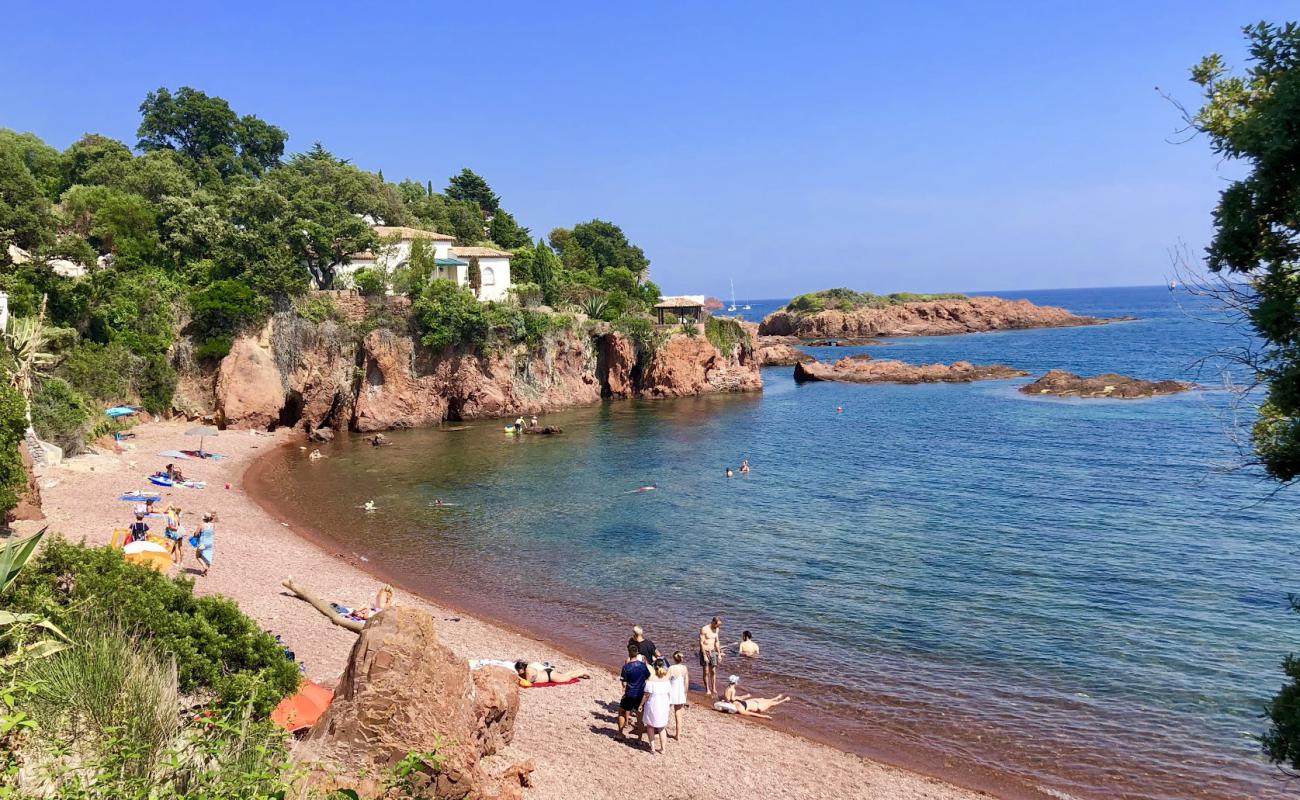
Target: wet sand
{"x": 568, "y": 731}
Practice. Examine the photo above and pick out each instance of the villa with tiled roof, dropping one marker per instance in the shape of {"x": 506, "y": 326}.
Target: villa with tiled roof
{"x": 394, "y": 252}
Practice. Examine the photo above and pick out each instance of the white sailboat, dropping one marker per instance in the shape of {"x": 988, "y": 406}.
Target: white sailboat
{"x": 732, "y": 307}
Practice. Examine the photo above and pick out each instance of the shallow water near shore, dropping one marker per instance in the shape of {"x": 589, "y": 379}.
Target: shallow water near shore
{"x": 1076, "y": 594}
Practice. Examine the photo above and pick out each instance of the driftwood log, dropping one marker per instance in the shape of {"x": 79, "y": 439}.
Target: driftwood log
{"x": 323, "y": 607}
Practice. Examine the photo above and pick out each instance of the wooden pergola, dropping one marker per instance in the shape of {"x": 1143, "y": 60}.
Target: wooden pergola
{"x": 676, "y": 310}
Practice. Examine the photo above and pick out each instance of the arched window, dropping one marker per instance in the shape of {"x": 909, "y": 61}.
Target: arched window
{"x": 489, "y": 277}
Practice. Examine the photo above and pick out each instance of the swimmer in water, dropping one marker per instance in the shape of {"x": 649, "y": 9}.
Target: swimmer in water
{"x": 315, "y": 454}
{"x": 839, "y": 409}
{"x": 370, "y": 505}
{"x": 729, "y": 472}
{"x": 744, "y": 467}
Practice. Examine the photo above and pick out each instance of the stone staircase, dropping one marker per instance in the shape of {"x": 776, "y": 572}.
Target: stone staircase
{"x": 43, "y": 454}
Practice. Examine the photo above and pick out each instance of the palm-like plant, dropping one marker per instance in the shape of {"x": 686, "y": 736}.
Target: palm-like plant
{"x": 26, "y": 339}
{"x": 593, "y": 303}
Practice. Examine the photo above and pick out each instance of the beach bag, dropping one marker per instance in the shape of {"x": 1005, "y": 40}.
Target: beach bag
{"x": 194, "y": 540}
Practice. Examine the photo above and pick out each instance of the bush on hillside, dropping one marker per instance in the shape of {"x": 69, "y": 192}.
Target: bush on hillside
{"x": 61, "y": 415}
{"x": 13, "y": 424}
{"x": 105, "y": 372}
{"x": 725, "y": 334}
{"x": 157, "y": 384}
{"x": 449, "y": 315}
{"x": 318, "y": 308}
{"x": 369, "y": 282}
{"x": 217, "y": 648}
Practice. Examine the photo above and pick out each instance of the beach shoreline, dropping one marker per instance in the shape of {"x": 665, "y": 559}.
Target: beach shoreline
{"x": 568, "y": 732}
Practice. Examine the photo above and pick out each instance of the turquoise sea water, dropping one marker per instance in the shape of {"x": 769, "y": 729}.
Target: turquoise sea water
{"x": 1086, "y": 595}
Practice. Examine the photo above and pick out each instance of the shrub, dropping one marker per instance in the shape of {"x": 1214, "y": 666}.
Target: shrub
{"x": 449, "y": 315}
{"x": 217, "y": 648}
{"x": 642, "y": 333}
{"x": 725, "y": 334}
{"x": 109, "y": 724}
{"x": 369, "y": 281}
{"x": 214, "y": 349}
{"x": 157, "y": 384}
{"x": 525, "y": 324}
{"x": 318, "y": 308}
{"x": 105, "y": 372}
{"x": 61, "y": 415}
{"x": 224, "y": 308}
{"x": 13, "y": 424}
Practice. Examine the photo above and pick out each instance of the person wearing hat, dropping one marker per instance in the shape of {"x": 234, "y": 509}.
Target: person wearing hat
{"x": 173, "y": 531}
{"x": 745, "y": 705}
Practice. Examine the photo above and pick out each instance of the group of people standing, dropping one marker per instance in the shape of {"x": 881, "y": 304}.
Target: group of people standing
{"x": 655, "y": 690}
{"x": 203, "y": 540}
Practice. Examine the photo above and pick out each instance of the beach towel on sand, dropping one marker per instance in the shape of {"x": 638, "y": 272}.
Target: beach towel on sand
{"x": 547, "y": 684}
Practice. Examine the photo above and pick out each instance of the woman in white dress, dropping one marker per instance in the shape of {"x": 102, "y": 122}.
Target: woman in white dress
{"x": 679, "y": 678}
{"x": 657, "y": 704}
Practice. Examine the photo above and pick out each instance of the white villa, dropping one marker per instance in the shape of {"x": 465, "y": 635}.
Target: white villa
{"x": 452, "y": 261}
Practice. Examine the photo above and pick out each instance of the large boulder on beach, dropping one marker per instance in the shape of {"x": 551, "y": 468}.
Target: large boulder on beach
{"x": 250, "y": 393}
{"x": 865, "y": 369}
{"x": 402, "y": 692}
{"x": 1060, "y": 383}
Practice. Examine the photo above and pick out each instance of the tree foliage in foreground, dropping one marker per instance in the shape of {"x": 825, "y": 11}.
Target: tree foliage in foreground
{"x": 1252, "y": 118}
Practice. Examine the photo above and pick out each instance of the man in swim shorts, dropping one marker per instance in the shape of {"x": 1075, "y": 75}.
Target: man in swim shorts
{"x": 711, "y": 654}
{"x": 634, "y": 675}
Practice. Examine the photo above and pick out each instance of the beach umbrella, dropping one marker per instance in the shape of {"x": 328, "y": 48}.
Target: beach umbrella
{"x": 201, "y": 431}
{"x": 301, "y": 711}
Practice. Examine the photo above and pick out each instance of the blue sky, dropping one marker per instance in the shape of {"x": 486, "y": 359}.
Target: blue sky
{"x": 929, "y": 148}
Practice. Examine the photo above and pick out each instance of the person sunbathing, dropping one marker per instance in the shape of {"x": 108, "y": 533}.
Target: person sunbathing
{"x": 745, "y": 705}
{"x": 542, "y": 672}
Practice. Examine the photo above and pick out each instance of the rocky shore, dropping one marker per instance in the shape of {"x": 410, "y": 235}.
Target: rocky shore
{"x": 566, "y": 732}
{"x": 928, "y": 318}
{"x": 300, "y": 373}
{"x": 865, "y": 369}
{"x": 1060, "y": 383}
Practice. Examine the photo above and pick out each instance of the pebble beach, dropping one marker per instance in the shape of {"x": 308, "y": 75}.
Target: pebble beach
{"x": 567, "y": 731}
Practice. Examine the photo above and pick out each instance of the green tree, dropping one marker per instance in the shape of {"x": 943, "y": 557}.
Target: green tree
{"x": 471, "y": 187}
{"x": 1250, "y": 118}
{"x": 209, "y": 132}
{"x": 41, "y": 160}
{"x": 507, "y": 232}
{"x": 94, "y": 160}
{"x": 605, "y": 243}
{"x": 25, "y": 217}
{"x": 465, "y": 222}
{"x": 546, "y": 268}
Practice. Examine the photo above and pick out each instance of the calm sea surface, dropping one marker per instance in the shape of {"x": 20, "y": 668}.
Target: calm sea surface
{"x": 1080, "y": 594}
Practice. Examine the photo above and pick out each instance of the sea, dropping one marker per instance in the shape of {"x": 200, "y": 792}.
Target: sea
{"x": 1083, "y": 598}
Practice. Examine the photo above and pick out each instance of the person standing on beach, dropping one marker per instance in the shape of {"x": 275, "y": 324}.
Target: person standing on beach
{"x": 205, "y": 545}
{"x": 643, "y": 645}
{"x": 657, "y": 705}
{"x": 679, "y": 677}
{"x": 711, "y": 654}
{"x": 139, "y": 530}
{"x": 173, "y": 532}
{"x": 634, "y": 675}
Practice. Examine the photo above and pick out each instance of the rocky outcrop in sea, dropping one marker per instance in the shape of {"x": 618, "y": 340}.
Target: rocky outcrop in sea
{"x": 1060, "y": 383}
{"x": 865, "y": 369}
{"x": 928, "y": 318}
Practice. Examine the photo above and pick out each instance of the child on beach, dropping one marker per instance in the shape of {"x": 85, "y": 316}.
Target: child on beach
{"x": 679, "y": 677}
{"x": 139, "y": 530}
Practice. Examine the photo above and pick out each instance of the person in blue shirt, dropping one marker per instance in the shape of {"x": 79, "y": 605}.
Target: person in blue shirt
{"x": 634, "y": 675}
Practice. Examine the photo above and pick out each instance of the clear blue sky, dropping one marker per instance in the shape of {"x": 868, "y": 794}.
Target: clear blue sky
{"x": 792, "y": 148}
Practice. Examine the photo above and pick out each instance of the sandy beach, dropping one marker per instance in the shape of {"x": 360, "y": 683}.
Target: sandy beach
{"x": 568, "y": 731}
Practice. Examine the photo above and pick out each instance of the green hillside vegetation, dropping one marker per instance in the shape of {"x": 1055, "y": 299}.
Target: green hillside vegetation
{"x": 850, "y": 300}
{"x": 204, "y": 227}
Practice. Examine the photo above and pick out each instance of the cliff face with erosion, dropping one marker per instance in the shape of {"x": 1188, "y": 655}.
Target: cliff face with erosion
{"x": 931, "y": 318}
{"x": 296, "y": 372}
